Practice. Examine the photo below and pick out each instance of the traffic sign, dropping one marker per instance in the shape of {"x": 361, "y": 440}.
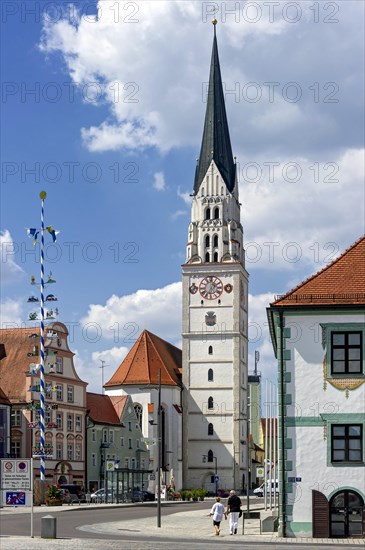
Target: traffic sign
{"x": 216, "y": 479}
{"x": 15, "y": 498}
{"x": 260, "y": 471}
{"x": 15, "y": 474}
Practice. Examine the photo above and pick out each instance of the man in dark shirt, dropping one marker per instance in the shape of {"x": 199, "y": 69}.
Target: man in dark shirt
{"x": 233, "y": 509}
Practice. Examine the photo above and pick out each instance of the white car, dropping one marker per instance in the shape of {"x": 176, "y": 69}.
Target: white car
{"x": 259, "y": 492}
{"x": 99, "y": 496}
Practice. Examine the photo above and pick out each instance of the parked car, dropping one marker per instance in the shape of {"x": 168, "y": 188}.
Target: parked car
{"x": 260, "y": 491}
{"x": 99, "y": 496}
{"x": 142, "y": 496}
{"x": 74, "y": 489}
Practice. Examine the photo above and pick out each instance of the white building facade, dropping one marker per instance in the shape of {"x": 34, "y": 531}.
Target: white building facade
{"x": 318, "y": 333}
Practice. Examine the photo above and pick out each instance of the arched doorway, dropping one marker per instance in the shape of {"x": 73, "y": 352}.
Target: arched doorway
{"x": 346, "y": 514}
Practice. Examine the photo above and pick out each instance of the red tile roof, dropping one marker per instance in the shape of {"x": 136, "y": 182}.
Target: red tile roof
{"x": 119, "y": 403}
{"x": 15, "y": 366}
{"x": 341, "y": 282}
{"x": 101, "y": 409}
{"x": 142, "y": 364}
{"x": 3, "y": 399}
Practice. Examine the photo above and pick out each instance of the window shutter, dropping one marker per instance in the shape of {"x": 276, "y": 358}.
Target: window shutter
{"x": 320, "y": 515}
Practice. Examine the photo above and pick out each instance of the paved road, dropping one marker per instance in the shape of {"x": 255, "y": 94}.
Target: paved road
{"x": 184, "y": 526}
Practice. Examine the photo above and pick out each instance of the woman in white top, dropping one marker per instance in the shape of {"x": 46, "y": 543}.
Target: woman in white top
{"x": 217, "y": 512}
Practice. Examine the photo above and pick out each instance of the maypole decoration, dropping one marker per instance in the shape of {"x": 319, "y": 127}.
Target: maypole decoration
{"x": 34, "y": 233}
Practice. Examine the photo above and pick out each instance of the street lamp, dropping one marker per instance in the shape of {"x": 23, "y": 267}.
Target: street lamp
{"x": 159, "y": 441}
{"x": 206, "y": 458}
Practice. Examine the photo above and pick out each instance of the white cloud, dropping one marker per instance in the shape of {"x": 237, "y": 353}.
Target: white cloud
{"x": 12, "y": 314}
{"x": 185, "y": 196}
{"x": 159, "y": 181}
{"x": 10, "y": 270}
{"x": 175, "y": 215}
{"x": 153, "y": 92}
{"x": 307, "y": 222}
{"x": 259, "y": 335}
{"x": 123, "y": 318}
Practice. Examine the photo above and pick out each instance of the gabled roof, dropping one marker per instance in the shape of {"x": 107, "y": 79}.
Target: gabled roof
{"x": 101, "y": 409}
{"x": 142, "y": 364}
{"x": 15, "y": 366}
{"x": 119, "y": 403}
{"x": 339, "y": 283}
{"x": 216, "y": 143}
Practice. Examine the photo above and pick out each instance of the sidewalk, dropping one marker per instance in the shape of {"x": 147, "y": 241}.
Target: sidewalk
{"x": 190, "y": 525}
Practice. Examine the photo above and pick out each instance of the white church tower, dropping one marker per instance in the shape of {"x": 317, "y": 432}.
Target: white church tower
{"x": 215, "y": 283}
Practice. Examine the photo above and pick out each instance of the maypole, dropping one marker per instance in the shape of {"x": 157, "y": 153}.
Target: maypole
{"x": 42, "y": 468}
{"x": 41, "y": 451}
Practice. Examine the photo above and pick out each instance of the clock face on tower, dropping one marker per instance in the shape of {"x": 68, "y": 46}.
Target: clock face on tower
{"x": 211, "y": 287}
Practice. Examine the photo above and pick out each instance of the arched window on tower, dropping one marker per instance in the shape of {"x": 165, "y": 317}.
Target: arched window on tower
{"x": 222, "y": 191}
{"x": 210, "y": 456}
{"x": 139, "y": 414}
{"x": 210, "y": 403}
{"x": 203, "y": 191}
{"x": 207, "y": 257}
{"x": 210, "y": 429}
{"x": 207, "y": 241}
{"x": 216, "y": 213}
{"x": 215, "y": 241}
{"x": 210, "y": 375}
{"x": 207, "y": 214}
{"x": 210, "y": 350}
{"x": 215, "y": 257}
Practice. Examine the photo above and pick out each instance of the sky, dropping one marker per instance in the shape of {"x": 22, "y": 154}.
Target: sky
{"x": 103, "y": 107}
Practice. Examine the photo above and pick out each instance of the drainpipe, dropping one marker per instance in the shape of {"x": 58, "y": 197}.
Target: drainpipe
{"x": 282, "y": 429}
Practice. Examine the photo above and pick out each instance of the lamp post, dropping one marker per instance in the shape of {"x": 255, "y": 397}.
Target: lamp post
{"x": 206, "y": 459}
{"x": 159, "y": 441}
{"x": 159, "y": 433}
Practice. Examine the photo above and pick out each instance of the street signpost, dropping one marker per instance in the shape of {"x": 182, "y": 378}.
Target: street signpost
{"x": 16, "y": 484}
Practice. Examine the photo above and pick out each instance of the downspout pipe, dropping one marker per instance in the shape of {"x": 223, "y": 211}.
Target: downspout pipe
{"x": 282, "y": 428}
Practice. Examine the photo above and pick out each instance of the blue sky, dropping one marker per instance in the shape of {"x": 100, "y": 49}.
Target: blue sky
{"x": 113, "y": 130}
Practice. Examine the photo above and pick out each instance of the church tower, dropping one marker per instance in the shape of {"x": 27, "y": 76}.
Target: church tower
{"x": 214, "y": 336}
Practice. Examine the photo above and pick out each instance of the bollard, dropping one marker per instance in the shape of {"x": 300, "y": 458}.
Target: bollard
{"x": 48, "y": 527}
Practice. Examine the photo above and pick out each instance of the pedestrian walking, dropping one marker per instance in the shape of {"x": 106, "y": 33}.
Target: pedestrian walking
{"x": 233, "y": 509}
{"x": 217, "y": 512}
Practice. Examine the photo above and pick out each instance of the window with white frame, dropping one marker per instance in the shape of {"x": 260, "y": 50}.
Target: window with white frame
{"x": 122, "y": 441}
{"x": 59, "y": 392}
{"x": 16, "y": 418}
{"x": 93, "y": 435}
{"x": 130, "y": 446}
{"x": 126, "y": 462}
{"x": 78, "y": 451}
{"x": 70, "y": 451}
{"x": 15, "y": 449}
{"x": 93, "y": 459}
{"x": 105, "y": 436}
{"x": 70, "y": 394}
{"x": 59, "y": 450}
{"x": 70, "y": 422}
{"x": 59, "y": 420}
{"x": 111, "y": 436}
{"x": 78, "y": 424}
{"x": 48, "y": 417}
{"x": 59, "y": 365}
{"x": 129, "y": 426}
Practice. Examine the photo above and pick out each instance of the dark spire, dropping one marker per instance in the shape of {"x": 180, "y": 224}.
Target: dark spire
{"x": 216, "y": 143}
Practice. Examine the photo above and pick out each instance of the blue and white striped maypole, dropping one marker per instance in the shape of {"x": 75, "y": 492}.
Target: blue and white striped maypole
{"x": 42, "y": 195}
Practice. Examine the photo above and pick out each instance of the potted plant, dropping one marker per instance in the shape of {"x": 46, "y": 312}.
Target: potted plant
{"x": 189, "y": 495}
{"x": 54, "y": 496}
{"x": 195, "y": 495}
{"x": 202, "y": 493}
